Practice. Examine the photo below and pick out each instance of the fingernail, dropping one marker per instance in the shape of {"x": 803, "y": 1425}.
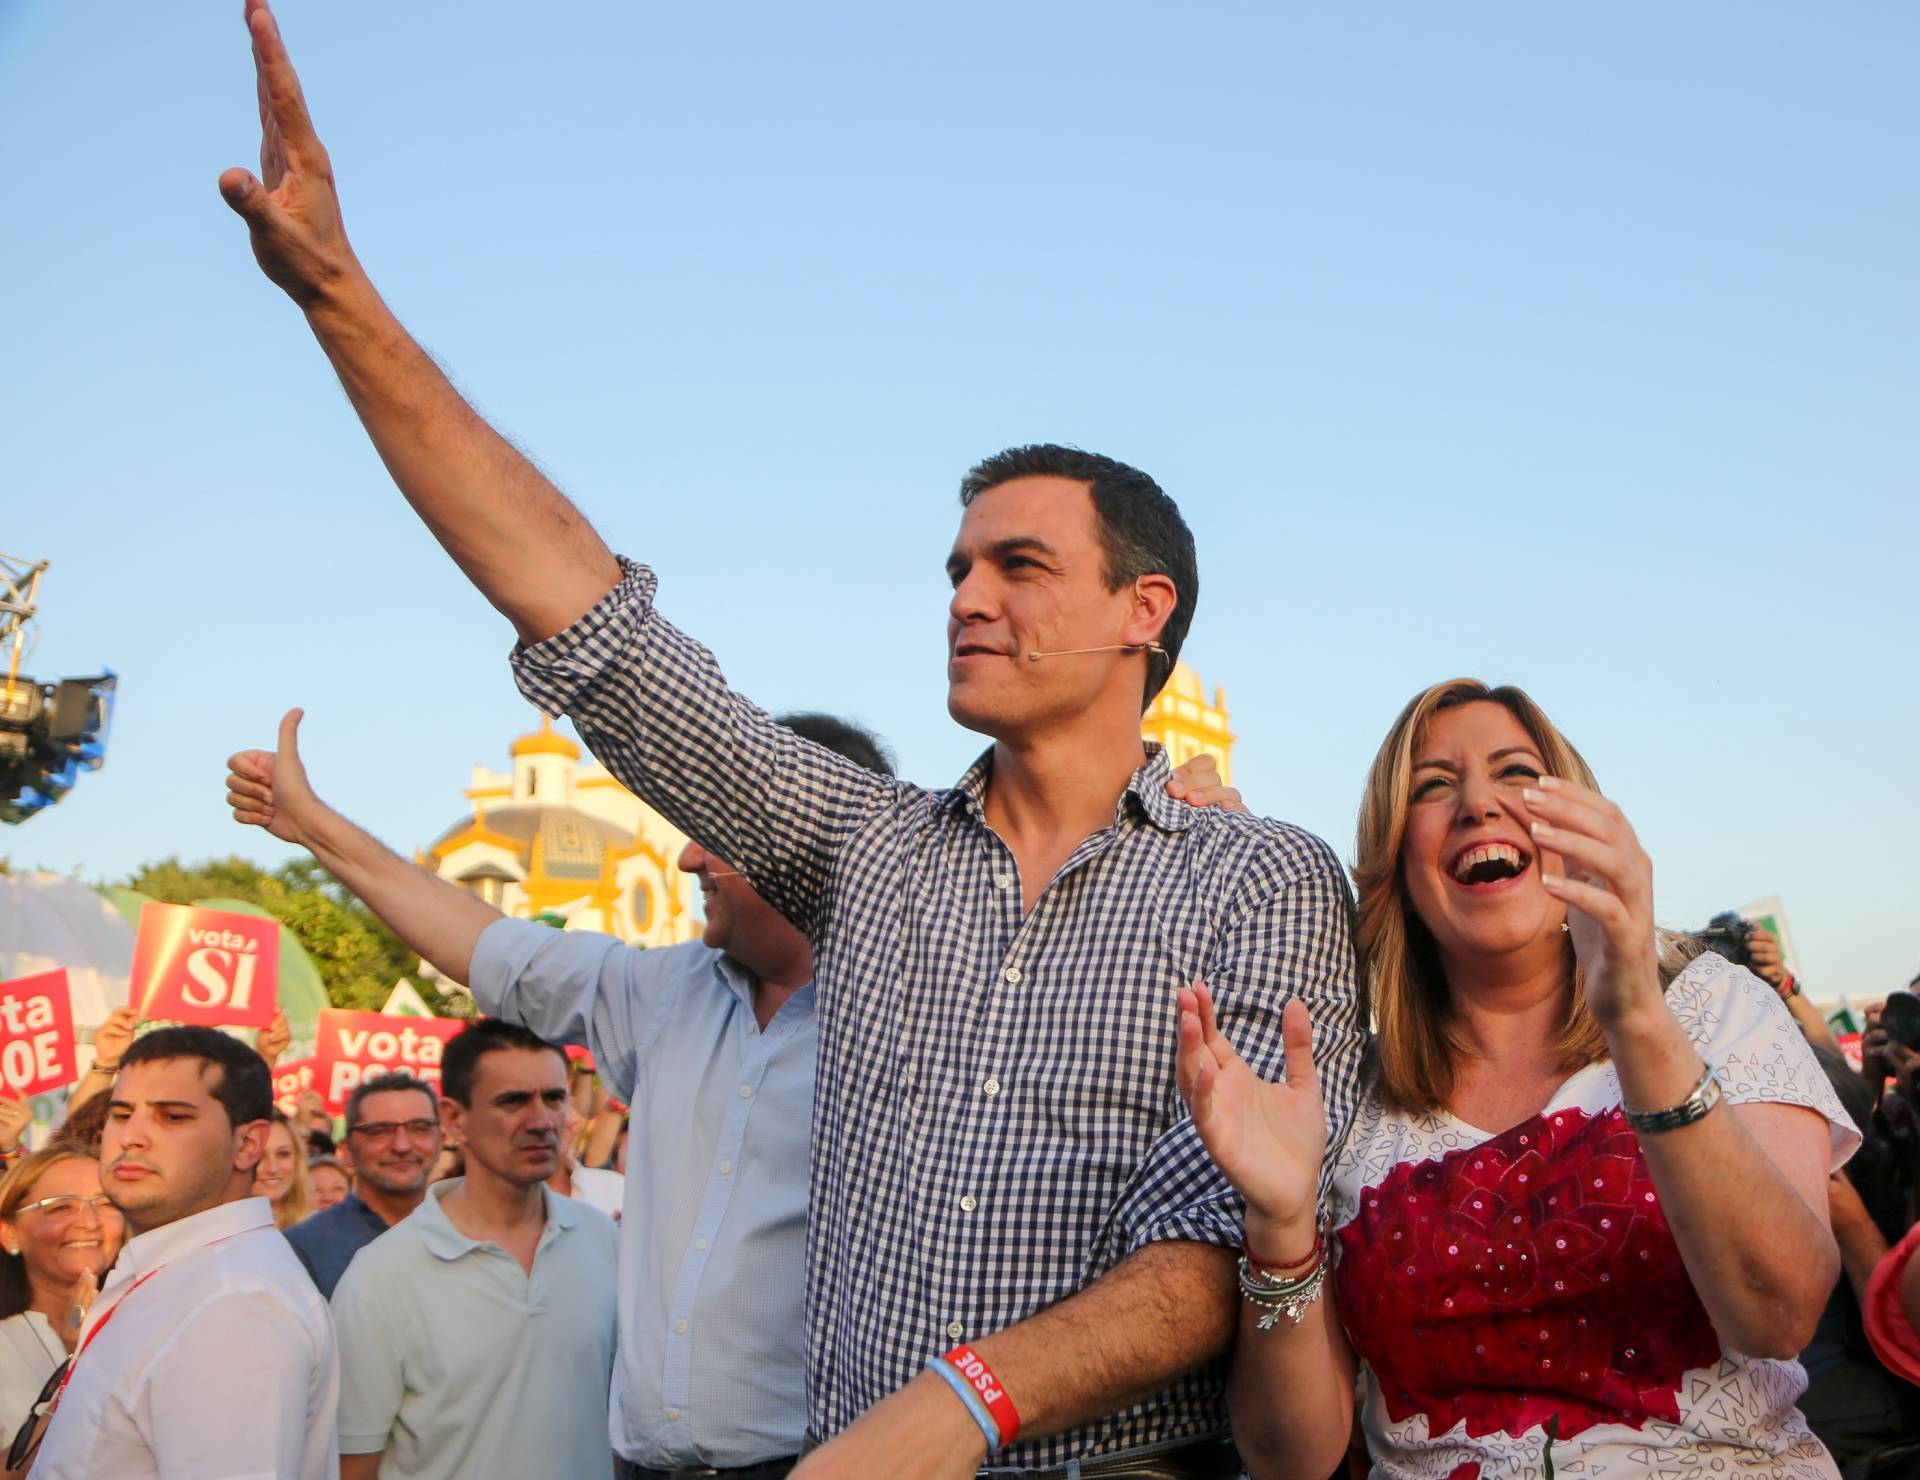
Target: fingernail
{"x": 1546, "y": 878}
{"x": 1528, "y": 794}
{"x": 1539, "y": 829}
{"x": 1547, "y": 783}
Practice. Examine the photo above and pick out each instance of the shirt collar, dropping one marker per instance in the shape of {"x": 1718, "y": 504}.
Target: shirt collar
{"x": 147, "y": 1251}
{"x": 740, "y": 982}
{"x": 1147, "y": 787}
{"x": 354, "y": 1206}
{"x": 447, "y": 1242}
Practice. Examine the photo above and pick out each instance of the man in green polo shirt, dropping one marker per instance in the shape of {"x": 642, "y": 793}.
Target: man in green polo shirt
{"x": 476, "y": 1335}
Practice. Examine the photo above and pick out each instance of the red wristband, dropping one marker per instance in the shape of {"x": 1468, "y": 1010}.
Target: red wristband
{"x": 1275, "y": 1267}
{"x": 979, "y": 1376}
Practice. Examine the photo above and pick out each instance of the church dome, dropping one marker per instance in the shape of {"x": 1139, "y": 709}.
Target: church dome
{"x": 572, "y": 845}
{"x": 546, "y": 741}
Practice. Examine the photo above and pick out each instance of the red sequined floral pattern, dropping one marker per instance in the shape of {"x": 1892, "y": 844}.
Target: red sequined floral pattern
{"x": 1529, "y": 1276}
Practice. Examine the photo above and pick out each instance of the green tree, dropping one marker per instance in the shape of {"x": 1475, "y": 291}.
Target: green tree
{"x": 358, "y": 958}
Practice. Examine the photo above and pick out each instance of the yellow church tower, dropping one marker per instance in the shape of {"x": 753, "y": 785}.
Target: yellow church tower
{"x": 559, "y": 838}
{"x": 1182, "y": 721}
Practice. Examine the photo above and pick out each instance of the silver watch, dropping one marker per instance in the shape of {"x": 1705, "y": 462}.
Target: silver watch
{"x": 1696, "y": 1106}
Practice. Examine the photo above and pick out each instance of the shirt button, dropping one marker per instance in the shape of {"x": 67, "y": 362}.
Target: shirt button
{"x": 969, "y": 1203}
{"x": 700, "y": 1244}
{"x": 673, "y": 1415}
{"x": 680, "y": 1328}
{"x": 956, "y": 1330}
{"x": 990, "y": 1088}
{"x": 1003, "y": 881}
{"x": 726, "y": 1169}
{"x": 746, "y": 1092}
{"x": 1013, "y": 976}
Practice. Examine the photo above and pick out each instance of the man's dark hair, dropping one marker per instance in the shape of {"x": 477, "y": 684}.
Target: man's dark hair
{"x": 486, "y": 1036}
{"x": 393, "y": 1079}
{"x": 843, "y": 737}
{"x": 1141, "y": 530}
{"x": 245, "y": 1086}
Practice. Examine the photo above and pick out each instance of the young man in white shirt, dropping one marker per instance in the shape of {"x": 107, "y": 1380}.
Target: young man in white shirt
{"x": 208, "y": 1352}
{"x": 476, "y": 1335}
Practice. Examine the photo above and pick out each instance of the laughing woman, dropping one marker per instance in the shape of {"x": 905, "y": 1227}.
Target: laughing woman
{"x": 57, "y": 1237}
{"x": 1583, "y": 1211}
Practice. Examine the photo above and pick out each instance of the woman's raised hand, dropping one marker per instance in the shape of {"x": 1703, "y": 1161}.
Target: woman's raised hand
{"x": 1606, "y": 881}
{"x": 1269, "y": 1139}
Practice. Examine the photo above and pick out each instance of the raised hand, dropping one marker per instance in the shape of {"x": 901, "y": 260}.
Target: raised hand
{"x": 115, "y": 1036}
{"x": 15, "y": 1116}
{"x": 85, "y": 1290}
{"x": 269, "y": 788}
{"x": 1607, "y": 884}
{"x": 274, "y": 1038}
{"x": 1269, "y": 1139}
{"x": 1197, "y": 783}
{"x": 291, "y": 209}
{"x": 1764, "y": 951}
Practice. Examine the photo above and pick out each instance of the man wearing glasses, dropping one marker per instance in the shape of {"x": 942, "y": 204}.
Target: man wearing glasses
{"x": 393, "y": 1131}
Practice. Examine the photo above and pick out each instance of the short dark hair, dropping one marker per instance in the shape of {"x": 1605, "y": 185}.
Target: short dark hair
{"x": 843, "y": 737}
{"x": 488, "y": 1035}
{"x": 1141, "y": 530}
{"x": 380, "y": 1084}
{"x": 245, "y": 1086}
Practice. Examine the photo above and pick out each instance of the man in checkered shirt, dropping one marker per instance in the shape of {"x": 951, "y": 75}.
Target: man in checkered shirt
{"x": 1000, "y": 1157}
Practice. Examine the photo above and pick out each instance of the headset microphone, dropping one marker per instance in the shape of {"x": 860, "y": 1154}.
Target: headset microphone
{"x": 1118, "y": 647}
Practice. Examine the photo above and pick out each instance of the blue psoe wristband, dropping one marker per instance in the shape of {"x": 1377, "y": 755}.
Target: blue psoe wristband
{"x": 967, "y": 1395}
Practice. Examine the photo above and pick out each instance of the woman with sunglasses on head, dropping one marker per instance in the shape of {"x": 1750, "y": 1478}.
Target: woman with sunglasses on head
{"x": 1581, "y": 1213}
{"x": 58, "y": 1234}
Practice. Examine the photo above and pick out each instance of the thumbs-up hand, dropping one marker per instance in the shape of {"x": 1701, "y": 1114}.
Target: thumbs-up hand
{"x": 268, "y": 788}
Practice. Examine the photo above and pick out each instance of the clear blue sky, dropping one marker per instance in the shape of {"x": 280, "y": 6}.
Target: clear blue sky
{"x": 1575, "y": 349}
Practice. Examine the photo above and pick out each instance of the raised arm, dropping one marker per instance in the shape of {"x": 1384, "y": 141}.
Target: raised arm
{"x": 1290, "y": 1388}
{"x": 440, "y": 920}
{"x": 517, "y": 537}
{"x": 1765, "y": 1276}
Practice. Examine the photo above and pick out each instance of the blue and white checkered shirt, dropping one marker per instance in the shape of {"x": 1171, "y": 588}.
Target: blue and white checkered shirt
{"x": 996, "y": 1123}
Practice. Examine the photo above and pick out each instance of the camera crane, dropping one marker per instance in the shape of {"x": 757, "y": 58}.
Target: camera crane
{"x": 49, "y": 732}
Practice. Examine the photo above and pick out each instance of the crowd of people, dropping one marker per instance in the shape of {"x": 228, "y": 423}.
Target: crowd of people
{"x": 1070, "y": 1121}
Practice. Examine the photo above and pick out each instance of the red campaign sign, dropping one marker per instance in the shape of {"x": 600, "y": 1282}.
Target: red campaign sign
{"x": 205, "y": 966}
{"x": 36, "y": 1033}
{"x": 291, "y": 1079}
{"x": 353, "y": 1046}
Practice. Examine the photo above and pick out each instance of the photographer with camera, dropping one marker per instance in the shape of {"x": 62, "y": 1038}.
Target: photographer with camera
{"x": 1890, "y": 1063}
{"x": 1753, "y": 946}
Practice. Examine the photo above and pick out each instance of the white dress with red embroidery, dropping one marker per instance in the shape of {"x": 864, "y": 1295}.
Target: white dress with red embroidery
{"x": 1494, "y": 1286}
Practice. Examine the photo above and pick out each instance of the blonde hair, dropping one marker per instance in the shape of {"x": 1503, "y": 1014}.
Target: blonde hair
{"x": 1416, "y": 1042}
{"x": 16, "y": 1294}
{"x": 297, "y": 1201}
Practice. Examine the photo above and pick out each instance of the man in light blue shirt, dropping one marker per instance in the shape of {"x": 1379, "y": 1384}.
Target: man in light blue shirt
{"x": 475, "y": 1336}
{"x": 712, "y": 1044}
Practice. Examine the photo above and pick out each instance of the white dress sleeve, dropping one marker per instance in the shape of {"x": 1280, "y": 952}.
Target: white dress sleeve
{"x": 1739, "y": 1025}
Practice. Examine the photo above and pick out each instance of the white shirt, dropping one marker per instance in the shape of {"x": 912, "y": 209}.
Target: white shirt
{"x": 221, "y": 1366}
{"x": 29, "y": 1351}
{"x": 599, "y": 1187}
